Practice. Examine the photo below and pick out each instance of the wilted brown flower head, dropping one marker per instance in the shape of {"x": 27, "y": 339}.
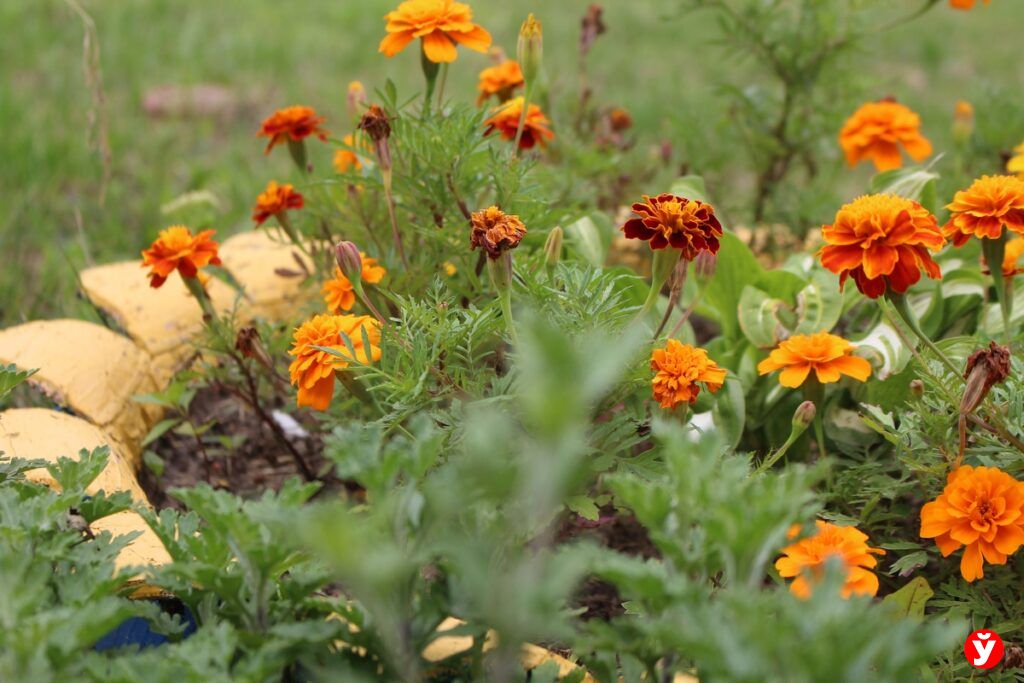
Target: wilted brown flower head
{"x": 375, "y": 123}
{"x": 495, "y": 231}
{"x": 591, "y": 27}
{"x": 985, "y": 368}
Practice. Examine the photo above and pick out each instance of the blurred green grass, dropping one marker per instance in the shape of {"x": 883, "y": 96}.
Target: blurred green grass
{"x": 271, "y": 54}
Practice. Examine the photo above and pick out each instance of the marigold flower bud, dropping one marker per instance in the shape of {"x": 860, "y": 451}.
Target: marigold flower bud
{"x": 349, "y": 260}
{"x": 553, "y": 248}
{"x": 804, "y": 415}
{"x": 916, "y": 388}
{"x": 530, "y": 48}
{"x": 704, "y": 266}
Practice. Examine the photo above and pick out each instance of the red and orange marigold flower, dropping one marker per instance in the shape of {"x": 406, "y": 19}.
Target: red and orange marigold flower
{"x": 505, "y": 121}
{"x": 500, "y": 81}
{"x": 340, "y": 295}
{"x": 176, "y": 248}
{"x": 828, "y": 355}
{"x": 312, "y": 370}
{"x": 805, "y": 560}
{"x": 495, "y": 231}
{"x": 882, "y": 242}
{"x": 877, "y": 130}
{"x": 440, "y": 24}
{"x": 679, "y": 372}
{"x": 984, "y": 208}
{"x": 274, "y": 201}
{"x": 291, "y": 123}
{"x": 981, "y": 510}
{"x": 668, "y": 220}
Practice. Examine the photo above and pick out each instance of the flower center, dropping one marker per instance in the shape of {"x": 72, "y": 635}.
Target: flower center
{"x": 674, "y": 215}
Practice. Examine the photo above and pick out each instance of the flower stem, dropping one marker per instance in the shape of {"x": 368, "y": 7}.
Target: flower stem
{"x": 505, "y": 300}
{"x": 527, "y": 95}
{"x": 814, "y": 391}
{"x": 197, "y": 290}
{"x": 430, "y": 70}
{"x": 902, "y": 308}
{"x": 993, "y": 251}
{"x": 440, "y": 91}
{"x": 390, "y": 199}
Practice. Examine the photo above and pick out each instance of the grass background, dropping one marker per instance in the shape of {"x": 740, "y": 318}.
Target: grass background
{"x": 664, "y": 69}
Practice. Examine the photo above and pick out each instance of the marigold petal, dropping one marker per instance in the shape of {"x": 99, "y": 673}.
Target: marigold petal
{"x": 439, "y": 48}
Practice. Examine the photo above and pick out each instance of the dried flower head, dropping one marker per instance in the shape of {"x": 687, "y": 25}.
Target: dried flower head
{"x": 828, "y": 355}
{"x": 291, "y": 123}
{"x": 985, "y": 369}
{"x": 668, "y": 220}
{"x": 619, "y": 120}
{"x": 440, "y": 24}
{"x": 312, "y": 370}
{"x": 495, "y": 231}
{"x": 505, "y": 121}
{"x": 877, "y": 130}
{"x": 176, "y": 248}
{"x": 806, "y": 560}
{"x": 591, "y": 26}
{"x": 340, "y": 295}
{"x": 499, "y": 81}
{"x": 982, "y": 510}
{"x": 375, "y": 123}
{"x": 984, "y": 208}
{"x": 882, "y": 241}
{"x": 274, "y": 201}
{"x": 680, "y": 370}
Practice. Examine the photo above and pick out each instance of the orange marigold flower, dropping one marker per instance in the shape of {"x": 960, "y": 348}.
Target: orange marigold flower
{"x": 345, "y": 159}
{"x": 876, "y": 131}
{"x": 506, "y": 121}
{"x": 679, "y": 370}
{"x": 882, "y": 241}
{"x": 499, "y": 80}
{"x": 312, "y": 370}
{"x": 440, "y": 23}
{"x": 963, "y": 4}
{"x": 981, "y": 508}
{"x": 176, "y": 248}
{"x": 806, "y": 560}
{"x": 981, "y": 211}
{"x": 291, "y": 123}
{"x": 620, "y": 119}
{"x": 276, "y": 199}
{"x": 495, "y": 231}
{"x": 827, "y": 354}
{"x": 339, "y": 293}
{"x": 689, "y": 225}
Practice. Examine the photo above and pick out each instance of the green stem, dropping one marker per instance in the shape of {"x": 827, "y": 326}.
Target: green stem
{"x": 902, "y": 308}
{"x": 440, "y": 91}
{"x": 430, "y": 70}
{"x": 814, "y": 391}
{"x": 505, "y": 300}
{"x": 527, "y": 96}
{"x": 196, "y": 289}
{"x": 993, "y": 251}
{"x": 390, "y": 200}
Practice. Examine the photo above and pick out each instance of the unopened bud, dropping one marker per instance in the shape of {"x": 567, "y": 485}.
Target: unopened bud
{"x": 553, "y": 248}
{"x": 704, "y": 266}
{"x": 804, "y": 416}
{"x": 530, "y": 48}
{"x": 349, "y": 261}
{"x": 916, "y": 388}
{"x": 963, "y": 122}
{"x": 355, "y": 99}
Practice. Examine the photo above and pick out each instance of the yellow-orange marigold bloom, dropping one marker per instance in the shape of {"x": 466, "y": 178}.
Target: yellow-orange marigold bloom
{"x": 176, "y": 248}
{"x": 877, "y": 130}
{"x": 981, "y": 211}
{"x": 312, "y": 370}
{"x": 276, "y": 199}
{"x": 339, "y": 293}
{"x": 345, "y": 159}
{"x": 499, "y": 80}
{"x": 679, "y": 370}
{"x": 807, "y": 558}
{"x": 669, "y": 220}
{"x": 505, "y": 121}
{"x": 964, "y": 4}
{"x": 1012, "y": 254}
{"x": 495, "y": 231}
{"x": 882, "y": 241}
{"x": 291, "y": 123}
{"x": 981, "y": 509}
{"x": 827, "y": 354}
{"x": 1016, "y": 162}
{"x": 439, "y": 23}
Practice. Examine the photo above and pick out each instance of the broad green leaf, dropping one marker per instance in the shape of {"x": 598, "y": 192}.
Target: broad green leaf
{"x": 914, "y": 182}
{"x": 883, "y": 347}
{"x": 691, "y": 187}
{"x": 910, "y": 600}
{"x": 590, "y": 237}
{"x": 729, "y": 412}
{"x": 819, "y": 304}
{"x": 758, "y": 316}
{"x": 736, "y": 268}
